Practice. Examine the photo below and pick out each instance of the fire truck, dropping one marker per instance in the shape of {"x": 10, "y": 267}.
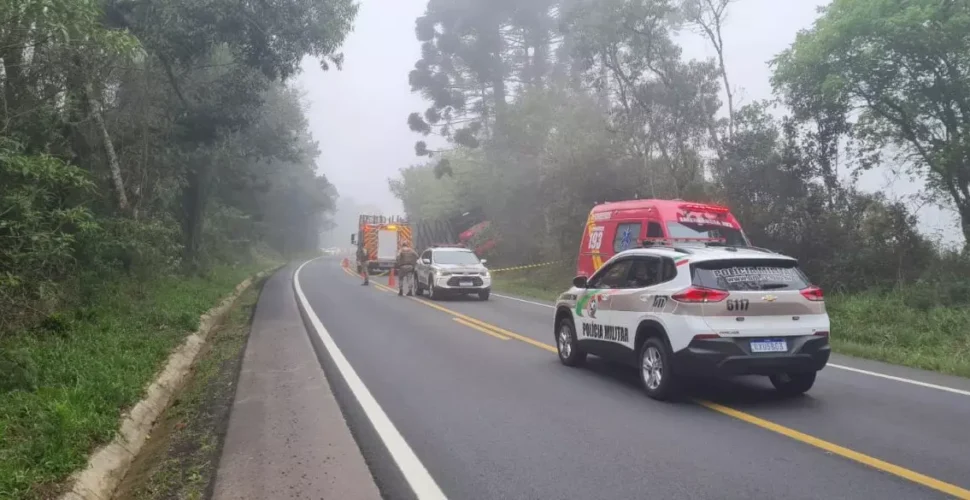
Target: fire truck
{"x": 382, "y": 238}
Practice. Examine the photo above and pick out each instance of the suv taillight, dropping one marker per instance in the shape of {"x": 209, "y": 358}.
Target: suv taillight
{"x": 813, "y": 293}
{"x": 696, "y": 294}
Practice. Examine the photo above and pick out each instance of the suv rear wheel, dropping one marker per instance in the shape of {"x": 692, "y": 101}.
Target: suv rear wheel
{"x": 656, "y": 376}
{"x": 793, "y": 384}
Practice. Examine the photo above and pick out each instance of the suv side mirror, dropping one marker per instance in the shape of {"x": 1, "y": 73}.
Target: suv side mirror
{"x": 425, "y": 260}
{"x": 580, "y": 281}
{"x": 484, "y": 261}
{"x": 353, "y": 239}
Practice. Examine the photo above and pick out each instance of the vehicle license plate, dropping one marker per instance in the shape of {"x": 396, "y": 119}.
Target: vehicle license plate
{"x": 769, "y": 346}
{"x": 465, "y": 283}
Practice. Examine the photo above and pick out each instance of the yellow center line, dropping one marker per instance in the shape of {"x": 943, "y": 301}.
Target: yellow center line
{"x": 875, "y": 463}
{"x": 490, "y": 326}
{"x": 842, "y": 451}
{"x": 483, "y": 330}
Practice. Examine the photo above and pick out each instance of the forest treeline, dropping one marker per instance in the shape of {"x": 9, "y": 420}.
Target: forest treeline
{"x": 551, "y": 106}
{"x": 153, "y": 155}
{"x": 140, "y": 137}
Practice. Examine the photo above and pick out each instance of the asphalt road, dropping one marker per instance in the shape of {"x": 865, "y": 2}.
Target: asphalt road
{"x": 463, "y": 399}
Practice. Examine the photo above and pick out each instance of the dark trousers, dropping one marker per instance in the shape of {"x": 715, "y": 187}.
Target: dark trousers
{"x": 406, "y": 273}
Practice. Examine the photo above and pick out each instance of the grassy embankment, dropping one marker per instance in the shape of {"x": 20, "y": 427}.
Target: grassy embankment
{"x": 64, "y": 385}
{"x": 908, "y": 326}
{"x": 181, "y": 458}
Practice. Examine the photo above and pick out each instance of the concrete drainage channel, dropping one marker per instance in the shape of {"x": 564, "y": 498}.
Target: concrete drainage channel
{"x": 108, "y": 465}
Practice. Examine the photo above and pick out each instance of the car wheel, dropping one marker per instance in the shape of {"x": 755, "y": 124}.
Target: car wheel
{"x": 567, "y": 344}
{"x": 793, "y": 384}
{"x": 656, "y": 376}
{"x": 432, "y": 291}
{"x": 483, "y": 295}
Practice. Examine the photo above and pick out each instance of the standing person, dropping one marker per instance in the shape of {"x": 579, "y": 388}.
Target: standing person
{"x": 406, "y": 260}
{"x": 362, "y": 264}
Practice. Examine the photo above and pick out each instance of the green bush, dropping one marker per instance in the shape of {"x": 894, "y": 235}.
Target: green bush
{"x": 140, "y": 247}
{"x": 41, "y": 220}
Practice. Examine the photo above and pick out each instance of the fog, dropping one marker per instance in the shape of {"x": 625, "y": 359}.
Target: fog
{"x": 358, "y": 114}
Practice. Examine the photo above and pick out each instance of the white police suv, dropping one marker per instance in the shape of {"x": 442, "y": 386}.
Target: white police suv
{"x": 680, "y": 311}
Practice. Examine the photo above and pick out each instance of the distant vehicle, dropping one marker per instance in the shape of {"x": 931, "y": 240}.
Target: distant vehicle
{"x": 692, "y": 310}
{"x": 622, "y": 225}
{"x": 381, "y": 237}
{"x": 452, "y": 269}
{"x": 467, "y": 237}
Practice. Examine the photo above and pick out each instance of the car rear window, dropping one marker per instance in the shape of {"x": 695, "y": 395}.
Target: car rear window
{"x": 749, "y": 274}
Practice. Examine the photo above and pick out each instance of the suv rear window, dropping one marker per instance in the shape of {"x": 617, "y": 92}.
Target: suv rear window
{"x": 749, "y": 274}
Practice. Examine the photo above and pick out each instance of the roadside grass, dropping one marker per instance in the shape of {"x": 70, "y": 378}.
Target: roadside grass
{"x": 895, "y": 328}
{"x": 63, "y": 386}
{"x": 543, "y": 283}
{"x": 917, "y": 326}
{"x": 180, "y": 459}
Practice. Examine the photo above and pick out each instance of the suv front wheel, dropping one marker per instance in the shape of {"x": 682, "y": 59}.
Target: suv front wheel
{"x": 656, "y": 376}
{"x": 567, "y": 344}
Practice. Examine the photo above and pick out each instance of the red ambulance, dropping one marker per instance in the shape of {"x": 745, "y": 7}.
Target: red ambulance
{"x": 617, "y": 226}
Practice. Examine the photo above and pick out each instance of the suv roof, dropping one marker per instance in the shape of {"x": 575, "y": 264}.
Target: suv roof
{"x": 703, "y": 253}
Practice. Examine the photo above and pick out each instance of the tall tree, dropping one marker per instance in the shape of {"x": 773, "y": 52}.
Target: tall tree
{"x": 47, "y": 48}
{"x": 899, "y": 71}
{"x": 474, "y": 56}
{"x": 709, "y": 16}
{"x": 664, "y": 107}
{"x": 218, "y": 57}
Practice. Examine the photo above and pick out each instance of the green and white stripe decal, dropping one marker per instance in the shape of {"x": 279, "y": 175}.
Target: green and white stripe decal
{"x": 581, "y": 303}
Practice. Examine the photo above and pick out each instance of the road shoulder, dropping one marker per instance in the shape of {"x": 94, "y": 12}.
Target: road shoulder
{"x": 287, "y": 437}
{"x": 179, "y": 460}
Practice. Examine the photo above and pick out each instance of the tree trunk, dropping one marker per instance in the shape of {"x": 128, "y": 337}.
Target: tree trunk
{"x": 727, "y": 85}
{"x": 193, "y": 215}
{"x": 94, "y": 105}
{"x": 964, "y": 210}
{"x": 498, "y": 91}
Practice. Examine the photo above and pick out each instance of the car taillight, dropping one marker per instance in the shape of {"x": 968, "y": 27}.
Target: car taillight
{"x": 813, "y": 293}
{"x": 700, "y": 294}
{"x": 706, "y": 336}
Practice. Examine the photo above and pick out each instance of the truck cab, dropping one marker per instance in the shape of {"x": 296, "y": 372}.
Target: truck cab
{"x": 617, "y": 226}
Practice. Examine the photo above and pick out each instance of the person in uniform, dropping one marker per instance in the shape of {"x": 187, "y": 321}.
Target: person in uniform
{"x": 362, "y": 264}
{"x": 407, "y": 259}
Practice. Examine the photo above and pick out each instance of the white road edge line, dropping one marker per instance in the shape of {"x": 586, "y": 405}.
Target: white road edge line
{"x": 417, "y": 476}
{"x": 523, "y": 300}
{"x": 901, "y": 379}
{"x": 833, "y": 365}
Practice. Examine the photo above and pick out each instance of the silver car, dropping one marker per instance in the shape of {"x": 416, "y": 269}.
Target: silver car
{"x": 452, "y": 270}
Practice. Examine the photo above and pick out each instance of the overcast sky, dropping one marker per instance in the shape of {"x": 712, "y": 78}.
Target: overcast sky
{"x": 359, "y": 114}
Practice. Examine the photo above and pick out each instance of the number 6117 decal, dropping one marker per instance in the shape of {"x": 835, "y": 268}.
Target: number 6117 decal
{"x": 738, "y": 305}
